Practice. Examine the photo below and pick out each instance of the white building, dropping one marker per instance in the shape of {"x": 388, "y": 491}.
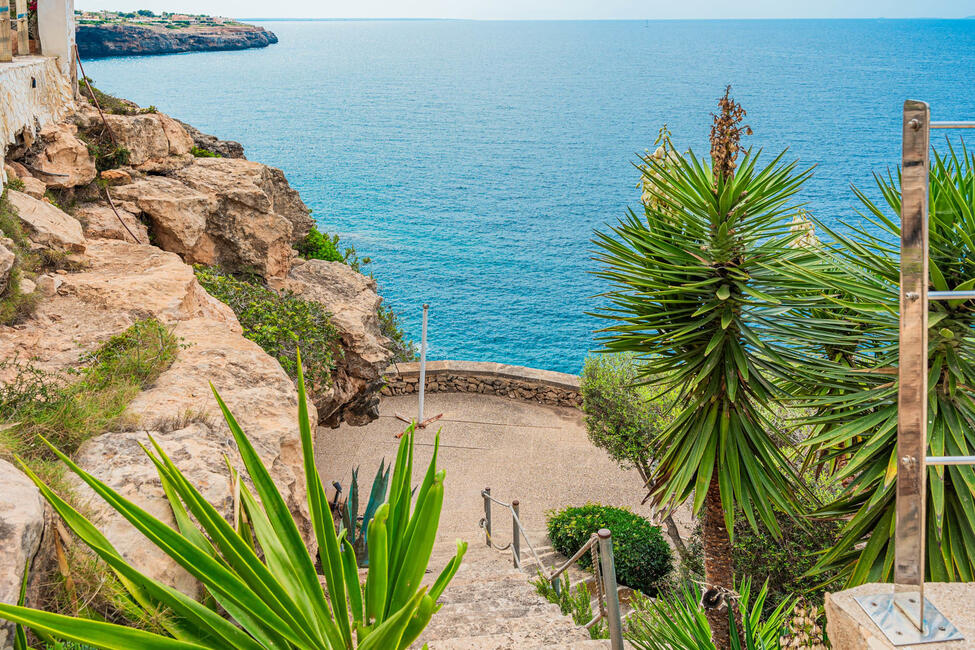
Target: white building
{"x": 38, "y": 89}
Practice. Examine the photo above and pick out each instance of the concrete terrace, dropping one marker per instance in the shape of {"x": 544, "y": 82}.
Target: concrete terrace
{"x": 535, "y": 453}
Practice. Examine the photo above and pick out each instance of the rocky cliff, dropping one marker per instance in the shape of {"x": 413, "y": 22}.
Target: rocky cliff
{"x": 129, "y": 40}
{"x": 120, "y": 251}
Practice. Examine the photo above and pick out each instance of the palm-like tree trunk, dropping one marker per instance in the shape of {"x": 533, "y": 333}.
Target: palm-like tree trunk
{"x": 718, "y": 568}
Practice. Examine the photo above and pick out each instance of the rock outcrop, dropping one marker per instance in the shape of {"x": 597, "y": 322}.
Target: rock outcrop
{"x": 352, "y": 299}
{"x": 101, "y": 222}
{"x": 60, "y": 158}
{"x": 127, "y": 40}
{"x": 156, "y": 142}
{"x": 7, "y": 259}
{"x": 213, "y": 144}
{"x": 21, "y": 528}
{"x": 46, "y": 225}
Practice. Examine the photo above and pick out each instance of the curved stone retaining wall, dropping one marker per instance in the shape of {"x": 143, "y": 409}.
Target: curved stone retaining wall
{"x": 530, "y": 384}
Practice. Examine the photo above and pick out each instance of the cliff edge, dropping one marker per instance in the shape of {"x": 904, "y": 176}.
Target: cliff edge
{"x": 134, "y": 40}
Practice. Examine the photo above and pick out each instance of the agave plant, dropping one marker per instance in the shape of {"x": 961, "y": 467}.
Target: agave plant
{"x": 676, "y": 621}
{"x": 711, "y": 292}
{"x": 356, "y": 532}
{"x": 267, "y": 596}
{"x": 857, "y": 427}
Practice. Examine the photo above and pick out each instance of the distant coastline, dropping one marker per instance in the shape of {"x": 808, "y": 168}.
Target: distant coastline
{"x": 106, "y": 34}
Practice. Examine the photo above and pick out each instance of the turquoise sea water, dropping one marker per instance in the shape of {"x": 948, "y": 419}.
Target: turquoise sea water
{"x": 472, "y": 160}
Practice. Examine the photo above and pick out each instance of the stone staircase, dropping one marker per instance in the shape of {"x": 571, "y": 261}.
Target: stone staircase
{"x": 490, "y": 605}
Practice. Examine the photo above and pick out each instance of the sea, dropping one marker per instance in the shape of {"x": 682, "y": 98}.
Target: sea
{"x": 472, "y": 161}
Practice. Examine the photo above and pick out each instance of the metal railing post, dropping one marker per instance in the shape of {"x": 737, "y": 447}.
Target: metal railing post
{"x": 423, "y": 363}
{"x": 515, "y": 536}
{"x": 487, "y": 516}
{"x": 609, "y": 588}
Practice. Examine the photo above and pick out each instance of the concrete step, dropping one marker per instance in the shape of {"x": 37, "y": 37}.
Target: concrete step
{"x": 528, "y": 629}
{"x": 510, "y": 642}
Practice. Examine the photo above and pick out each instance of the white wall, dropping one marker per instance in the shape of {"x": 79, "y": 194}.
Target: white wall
{"x": 55, "y": 22}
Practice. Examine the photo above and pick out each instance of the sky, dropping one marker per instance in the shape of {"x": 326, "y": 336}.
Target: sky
{"x": 550, "y": 9}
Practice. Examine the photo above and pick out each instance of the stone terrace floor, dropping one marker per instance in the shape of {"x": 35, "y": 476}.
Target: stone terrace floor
{"x": 537, "y": 454}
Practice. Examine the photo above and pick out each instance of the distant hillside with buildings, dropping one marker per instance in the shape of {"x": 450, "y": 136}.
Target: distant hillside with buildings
{"x": 113, "y": 33}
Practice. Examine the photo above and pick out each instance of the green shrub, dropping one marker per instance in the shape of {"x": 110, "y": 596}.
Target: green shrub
{"x": 276, "y": 321}
{"x": 642, "y": 557}
{"x": 622, "y": 417}
{"x": 576, "y": 604}
{"x": 204, "y": 153}
{"x": 68, "y": 408}
{"x": 404, "y": 349}
{"x": 14, "y": 305}
{"x": 15, "y": 184}
{"x": 317, "y": 245}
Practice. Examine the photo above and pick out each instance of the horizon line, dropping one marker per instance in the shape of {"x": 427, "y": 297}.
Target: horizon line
{"x": 416, "y": 19}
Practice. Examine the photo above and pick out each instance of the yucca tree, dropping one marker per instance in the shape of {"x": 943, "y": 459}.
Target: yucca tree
{"x": 261, "y": 588}
{"x": 708, "y": 290}
{"x": 857, "y": 425}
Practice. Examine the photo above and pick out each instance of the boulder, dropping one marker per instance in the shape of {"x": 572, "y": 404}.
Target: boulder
{"x": 7, "y": 259}
{"x": 253, "y": 186}
{"x": 182, "y": 415}
{"x": 21, "y": 528}
{"x": 116, "y": 176}
{"x": 218, "y": 212}
{"x": 352, "y": 299}
{"x": 156, "y": 142}
{"x": 46, "y": 225}
{"x": 34, "y": 187}
{"x": 213, "y": 144}
{"x": 49, "y": 284}
{"x": 60, "y": 158}
{"x": 101, "y": 222}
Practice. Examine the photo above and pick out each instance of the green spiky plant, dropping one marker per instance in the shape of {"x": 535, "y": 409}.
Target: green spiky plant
{"x": 272, "y": 599}
{"x": 677, "y": 621}
{"x": 356, "y": 531}
{"x": 857, "y": 427}
{"x": 709, "y": 291}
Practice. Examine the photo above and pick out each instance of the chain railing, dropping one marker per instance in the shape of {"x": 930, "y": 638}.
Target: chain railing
{"x": 600, "y": 548}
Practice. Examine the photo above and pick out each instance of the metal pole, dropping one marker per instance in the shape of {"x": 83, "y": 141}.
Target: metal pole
{"x": 515, "y": 536}
{"x": 912, "y": 394}
{"x": 487, "y": 516}
{"x": 423, "y": 362}
{"x": 609, "y": 588}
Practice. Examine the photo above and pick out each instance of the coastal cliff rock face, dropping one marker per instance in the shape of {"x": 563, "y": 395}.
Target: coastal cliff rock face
{"x": 47, "y": 226}
{"x": 60, "y": 158}
{"x": 101, "y": 222}
{"x": 213, "y": 144}
{"x": 125, "y": 40}
{"x": 353, "y": 301}
{"x": 156, "y": 142}
{"x": 21, "y": 528}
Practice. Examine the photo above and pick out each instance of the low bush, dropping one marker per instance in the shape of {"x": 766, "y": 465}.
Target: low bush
{"x": 204, "y": 153}
{"x": 317, "y": 245}
{"x": 276, "y": 321}
{"x": 15, "y": 305}
{"x": 643, "y": 559}
{"x": 404, "y": 349}
{"x": 576, "y": 604}
{"x": 68, "y": 408}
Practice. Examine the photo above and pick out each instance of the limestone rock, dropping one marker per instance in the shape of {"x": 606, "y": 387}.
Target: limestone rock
{"x": 352, "y": 299}
{"x": 253, "y": 186}
{"x": 213, "y": 144}
{"x": 220, "y": 212}
{"x": 21, "y": 527}
{"x": 48, "y": 226}
{"x": 61, "y": 158}
{"x": 27, "y": 286}
{"x": 181, "y": 413}
{"x": 7, "y": 259}
{"x": 156, "y": 142}
{"x": 48, "y": 285}
{"x": 34, "y": 187}
{"x": 116, "y": 176}
{"x": 101, "y": 222}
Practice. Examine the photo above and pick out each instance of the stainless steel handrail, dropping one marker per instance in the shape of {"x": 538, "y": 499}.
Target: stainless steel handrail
{"x": 599, "y": 544}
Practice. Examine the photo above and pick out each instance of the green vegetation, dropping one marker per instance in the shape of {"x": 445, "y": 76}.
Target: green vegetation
{"x": 110, "y": 103}
{"x": 67, "y": 409}
{"x": 576, "y": 604}
{"x": 276, "y": 321}
{"x": 15, "y": 305}
{"x": 271, "y": 596}
{"x": 404, "y": 349}
{"x": 320, "y": 246}
{"x": 204, "y": 153}
{"x": 642, "y": 557}
{"x": 709, "y": 288}
{"x": 15, "y": 184}
{"x": 678, "y": 621}
{"x": 856, "y": 417}
{"x": 355, "y": 526}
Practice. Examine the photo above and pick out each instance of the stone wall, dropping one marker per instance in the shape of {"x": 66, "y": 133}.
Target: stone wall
{"x": 517, "y": 382}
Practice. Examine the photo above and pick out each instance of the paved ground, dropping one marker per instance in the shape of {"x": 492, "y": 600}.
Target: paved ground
{"x": 537, "y": 454}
